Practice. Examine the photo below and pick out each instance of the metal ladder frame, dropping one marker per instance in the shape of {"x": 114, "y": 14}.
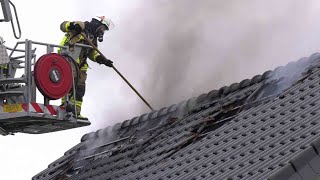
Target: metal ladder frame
{"x": 26, "y": 88}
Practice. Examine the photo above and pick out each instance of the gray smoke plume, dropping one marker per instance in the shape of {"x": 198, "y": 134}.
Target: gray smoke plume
{"x": 174, "y": 50}
{"x": 203, "y": 45}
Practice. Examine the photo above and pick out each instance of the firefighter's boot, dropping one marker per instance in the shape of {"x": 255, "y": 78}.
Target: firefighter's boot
{"x": 79, "y": 116}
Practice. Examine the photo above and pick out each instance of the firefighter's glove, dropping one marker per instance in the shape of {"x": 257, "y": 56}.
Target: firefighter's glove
{"x": 75, "y": 27}
{"x": 101, "y": 60}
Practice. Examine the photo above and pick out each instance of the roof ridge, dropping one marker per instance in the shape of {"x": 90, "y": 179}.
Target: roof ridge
{"x": 197, "y": 101}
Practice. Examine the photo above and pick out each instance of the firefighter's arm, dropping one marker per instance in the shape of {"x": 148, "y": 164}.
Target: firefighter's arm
{"x": 96, "y": 57}
{"x": 76, "y": 26}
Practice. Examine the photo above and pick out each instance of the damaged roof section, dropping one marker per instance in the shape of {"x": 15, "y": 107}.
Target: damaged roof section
{"x": 249, "y": 130}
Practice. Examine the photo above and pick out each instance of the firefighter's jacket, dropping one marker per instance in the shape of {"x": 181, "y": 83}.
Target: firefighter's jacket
{"x": 70, "y": 39}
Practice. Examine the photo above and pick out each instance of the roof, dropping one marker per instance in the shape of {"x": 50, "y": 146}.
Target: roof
{"x": 260, "y": 128}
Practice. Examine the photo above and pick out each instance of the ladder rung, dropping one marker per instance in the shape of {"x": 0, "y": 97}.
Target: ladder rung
{"x": 12, "y": 80}
{"x": 11, "y": 93}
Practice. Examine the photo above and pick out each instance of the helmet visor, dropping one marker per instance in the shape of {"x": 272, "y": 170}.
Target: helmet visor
{"x": 108, "y": 23}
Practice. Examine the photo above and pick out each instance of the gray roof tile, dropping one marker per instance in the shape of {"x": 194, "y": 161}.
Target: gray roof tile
{"x": 264, "y": 128}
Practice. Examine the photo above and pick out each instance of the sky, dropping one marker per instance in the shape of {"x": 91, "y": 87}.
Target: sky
{"x": 169, "y": 50}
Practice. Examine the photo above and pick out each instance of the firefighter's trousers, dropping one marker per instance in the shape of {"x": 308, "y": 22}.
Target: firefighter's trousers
{"x": 80, "y": 91}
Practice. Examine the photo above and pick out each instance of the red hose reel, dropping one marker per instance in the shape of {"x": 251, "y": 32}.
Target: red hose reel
{"x": 53, "y": 76}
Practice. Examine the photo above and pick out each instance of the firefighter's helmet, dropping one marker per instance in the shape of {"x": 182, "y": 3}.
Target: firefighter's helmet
{"x": 105, "y": 21}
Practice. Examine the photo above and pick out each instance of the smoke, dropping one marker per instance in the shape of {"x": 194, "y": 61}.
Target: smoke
{"x": 191, "y": 47}
{"x": 174, "y": 50}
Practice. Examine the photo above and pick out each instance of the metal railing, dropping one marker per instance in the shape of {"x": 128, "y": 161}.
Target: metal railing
{"x": 29, "y": 88}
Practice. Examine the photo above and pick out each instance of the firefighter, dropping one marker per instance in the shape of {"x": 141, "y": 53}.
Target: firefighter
{"x": 94, "y": 30}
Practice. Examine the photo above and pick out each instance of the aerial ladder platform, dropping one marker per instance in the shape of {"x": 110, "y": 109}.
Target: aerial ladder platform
{"x": 23, "y": 76}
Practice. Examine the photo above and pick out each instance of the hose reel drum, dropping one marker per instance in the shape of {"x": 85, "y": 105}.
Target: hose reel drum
{"x": 53, "y": 75}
